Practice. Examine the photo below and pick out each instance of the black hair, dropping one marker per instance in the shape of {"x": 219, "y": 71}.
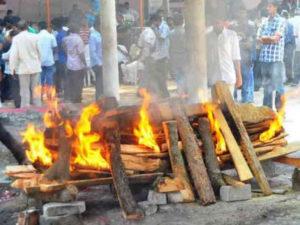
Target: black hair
{"x": 42, "y": 25}
{"x": 9, "y": 12}
{"x": 22, "y": 25}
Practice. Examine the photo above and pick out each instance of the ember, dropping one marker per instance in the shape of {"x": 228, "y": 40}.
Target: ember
{"x": 144, "y": 132}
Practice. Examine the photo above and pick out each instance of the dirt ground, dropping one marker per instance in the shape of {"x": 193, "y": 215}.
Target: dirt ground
{"x": 103, "y": 209}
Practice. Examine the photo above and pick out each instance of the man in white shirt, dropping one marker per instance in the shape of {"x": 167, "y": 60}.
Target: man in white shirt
{"x": 47, "y": 44}
{"x": 25, "y": 61}
{"x": 224, "y": 58}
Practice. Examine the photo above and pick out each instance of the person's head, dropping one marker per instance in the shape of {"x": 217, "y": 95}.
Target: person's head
{"x": 170, "y": 21}
{"x": 74, "y": 28}
{"x": 285, "y": 14}
{"x": 11, "y": 35}
{"x": 155, "y": 20}
{"x": 178, "y": 19}
{"x": 127, "y": 5}
{"x": 75, "y": 7}
{"x": 42, "y": 25}
{"x": 219, "y": 25}
{"x": 22, "y": 25}
{"x": 242, "y": 16}
{"x": 161, "y": 13}
{"x": 9, "y": 12}
{"x": 272, "y": 7}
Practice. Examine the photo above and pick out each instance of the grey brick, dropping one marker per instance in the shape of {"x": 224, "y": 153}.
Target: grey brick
{"x": 62, "y": 209}
{"x": 156, "y": 198}
{"x": 231, "y": 194}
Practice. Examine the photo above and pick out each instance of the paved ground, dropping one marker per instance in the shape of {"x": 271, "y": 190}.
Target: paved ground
{"x": 103, "y": 207}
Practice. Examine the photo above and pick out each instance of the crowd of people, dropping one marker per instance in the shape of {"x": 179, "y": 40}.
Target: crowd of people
{"x": 246, "y": 54}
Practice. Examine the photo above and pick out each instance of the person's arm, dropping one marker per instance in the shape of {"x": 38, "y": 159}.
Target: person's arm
{"x": 236, "y": 57}
{"x": 54, "y": 45}
{"x": 80, "y": 50}
{"x": 276, "y": 37}
{"x": 163, "y": 32}
{"x": 13, "y": 58}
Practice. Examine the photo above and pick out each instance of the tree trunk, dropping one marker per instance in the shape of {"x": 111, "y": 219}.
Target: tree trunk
{"x": 194, "y": 156}
{"x": 210, "y": 156}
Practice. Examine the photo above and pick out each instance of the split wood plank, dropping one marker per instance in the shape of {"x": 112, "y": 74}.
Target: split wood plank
{"x": 142, "y": 164}
{"x": 177, "y": 161}
{"x": 281, "y": 151}
{"x": 239, "y": 161}
{"x": 295, "y": 162}
{"x": 221, "y": 94}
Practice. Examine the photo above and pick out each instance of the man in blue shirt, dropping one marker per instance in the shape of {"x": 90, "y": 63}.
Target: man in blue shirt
{"x": 271, "y": 36}
{"x": 95, "y": 44}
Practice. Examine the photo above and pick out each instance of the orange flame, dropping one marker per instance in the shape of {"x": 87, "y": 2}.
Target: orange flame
{"x": 215, "y": 128}
{"x": 86, "y": 152}
{"x": 37, "y": 152}
{"x": 144, "y": 132}
{"x": 276, "y": 125}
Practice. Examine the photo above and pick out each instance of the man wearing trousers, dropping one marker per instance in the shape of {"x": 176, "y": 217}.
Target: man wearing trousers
{"x": 25, "y": 61}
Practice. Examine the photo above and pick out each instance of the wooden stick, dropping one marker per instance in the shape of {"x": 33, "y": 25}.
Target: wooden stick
{"x": 121, "y": 184}
{"x": 281, "y": 151}
{"x": 221, "y": 93}
{"x": 210, "y": 156}
{"x": 193, "y": 156}
{"x": 232, "y": 182}
{"x": 177, "y": 162}
{"x": 239, "y": 161}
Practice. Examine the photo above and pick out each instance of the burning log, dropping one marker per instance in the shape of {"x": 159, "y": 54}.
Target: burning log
{"x": 177, "y": 161}
{"x": 194, "y": 156}
{"x": 239, "y": 161}
{"x": 60, "y": 170}
{"x": 121, "y": 184}
{"x": 210, "y": 156}
{"x": 222, "y": 94}
{"x": 16, "y": 148}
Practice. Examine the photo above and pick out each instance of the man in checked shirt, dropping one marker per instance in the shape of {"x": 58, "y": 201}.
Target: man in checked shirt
{"x": 271, "y": 36}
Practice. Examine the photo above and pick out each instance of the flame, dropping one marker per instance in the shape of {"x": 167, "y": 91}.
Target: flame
{"x": 276, "y": 125}
{"x": 36, "y": 152}
{"x": 86, "y": 150}
{"x": 84, "y": 145}
{"x": 144, "y": 132}
{"x": 215, "y": 128}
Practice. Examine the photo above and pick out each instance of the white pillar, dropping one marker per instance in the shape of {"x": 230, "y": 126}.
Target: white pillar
{"x": 197, "y": 62}
{"x": 110, "y": 53}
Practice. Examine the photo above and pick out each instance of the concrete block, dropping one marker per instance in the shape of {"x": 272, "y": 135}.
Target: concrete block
{"x": 175, "y": 197}
{"x": 269, "y": 168}
{"x": 231, "y": 194}
{"x": 62, "y": 209}
{"x": 156, "y": 198}
{"x": 296, "y": 180}
{"x": 148, "y": 208}
{"x": 61, "y": 220}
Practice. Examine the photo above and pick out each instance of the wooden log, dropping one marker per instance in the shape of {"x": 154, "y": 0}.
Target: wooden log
{"x": 177, "y": 161}
{"x": 281, "y": 151}
{"x": 193, "y": 155}
{"x": 19, "y": 169}
{"x": 15, "y": 147}
{"x": 280, "y": 140}
{"x": 210, "y": 156}
{"x": 167, "y": 185}
{"x": 32, "y": 186}
{"x": 60, "y": 170}
{"x": 143, "y": 164}
{"x": 229, "y": 180}
{"x": 121, "y": 184}
{"x": 221, "y": 93}
{"x": 239, "y": 161}
{"x": 295, "y": 162}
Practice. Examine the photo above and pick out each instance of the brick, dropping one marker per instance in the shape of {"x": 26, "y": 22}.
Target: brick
{"x": 175, "y": 197}
{"x": 62, "y": 209}
{"x": 61, "y": 220}
{"x": 156, "y": 198}
{"x": 148, "y": 208}
{"x": 296, "y": 180}
{"x": 231, "y": 194}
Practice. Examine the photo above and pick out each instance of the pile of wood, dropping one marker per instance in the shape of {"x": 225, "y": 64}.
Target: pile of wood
{"x": 187, "y": 162}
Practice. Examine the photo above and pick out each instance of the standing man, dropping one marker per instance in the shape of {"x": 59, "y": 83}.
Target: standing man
{"x": 271, "y": 36}
{"x": 47, "y": 45}
{"x": 76, "y": 65}
{"x": 95, "y": 45}
{"x": 224, "y": 57}
{"x": 25, "y": 61}
{"x": 161, "y": 55}
{"x": 296, "y": 24}
{"x": 246, "y": 33}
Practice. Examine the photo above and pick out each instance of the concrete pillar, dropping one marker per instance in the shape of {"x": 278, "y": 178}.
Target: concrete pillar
{"x": 110, "y": 53}
{"x": 196, "y": 44}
